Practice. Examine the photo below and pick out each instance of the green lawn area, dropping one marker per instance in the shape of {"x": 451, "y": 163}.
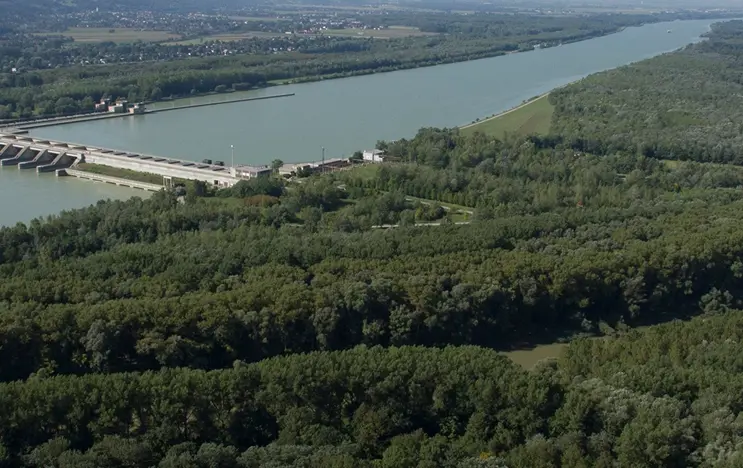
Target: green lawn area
{"x": 120, "y": 35}
{"x": 366, "y": 171}
{"x": 527, "y": 358}
{"x": 530, "y": 118}
{"x": 122, "y": 173}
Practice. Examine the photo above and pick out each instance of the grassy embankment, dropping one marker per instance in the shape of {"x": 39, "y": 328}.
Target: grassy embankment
{"x": 123, "y": 173}
{"x": 119, "y": 35}
{"x": 532, "y": 117}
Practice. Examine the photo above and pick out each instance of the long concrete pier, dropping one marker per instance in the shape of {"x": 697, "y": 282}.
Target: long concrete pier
{"x": 54, "y": 121}
{"x": 111, "y": 180}
{"x": 48, "y": 156}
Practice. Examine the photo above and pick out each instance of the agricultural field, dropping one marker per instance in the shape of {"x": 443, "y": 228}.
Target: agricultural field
{"x": 389, "y": 33}
{"x": 120, "y": 35}
{"x": 226, "y": 37}
{"x": 265, "y": 19}
{"x": 532, "y": 117}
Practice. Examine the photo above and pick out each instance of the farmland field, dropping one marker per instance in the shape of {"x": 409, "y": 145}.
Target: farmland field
{"x": 113, "y": 35}
{"x": 388, "y": 33}
{"x": 227, "y": 37}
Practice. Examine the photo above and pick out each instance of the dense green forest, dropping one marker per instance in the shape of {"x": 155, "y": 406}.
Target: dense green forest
{"x": 667, "y": 396}
{"x": 275, "y": 324}
{"x": 681, "y": 106}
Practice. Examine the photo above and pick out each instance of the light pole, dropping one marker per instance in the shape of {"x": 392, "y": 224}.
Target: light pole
{"x": 232, "y": 150}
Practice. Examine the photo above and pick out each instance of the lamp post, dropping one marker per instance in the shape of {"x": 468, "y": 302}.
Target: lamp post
{"x": 232, "y": 150}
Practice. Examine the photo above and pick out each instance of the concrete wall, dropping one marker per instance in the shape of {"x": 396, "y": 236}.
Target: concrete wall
{"x": 163, "y": 169}
{"x": 112, "y": 180}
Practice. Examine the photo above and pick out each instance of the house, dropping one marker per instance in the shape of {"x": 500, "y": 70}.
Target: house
{"x": 102, "y": 106}
{"x": 137, "y": 109}
{"x": 375, "y": 156}
{"x": 119, "y": 107}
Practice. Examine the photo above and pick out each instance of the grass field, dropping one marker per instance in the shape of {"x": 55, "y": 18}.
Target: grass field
{"x": 533, "y": 117}
{"x": 389, "y": 33}
{"x": 527, "y": 358}
{"x": 113, "y": 34}
{"x": 366, "y": 171}
{"x": 121, "y": 173}
{"x": 224, "y": 37}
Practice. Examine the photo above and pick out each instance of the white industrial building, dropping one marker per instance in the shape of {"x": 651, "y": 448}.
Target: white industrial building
{"x": 375, "y": 156}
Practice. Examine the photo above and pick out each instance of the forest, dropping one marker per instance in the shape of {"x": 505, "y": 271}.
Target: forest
{"x": 681, "y": 106}
{"x": 271, "y": 325}
{"x": 275, "y": 324}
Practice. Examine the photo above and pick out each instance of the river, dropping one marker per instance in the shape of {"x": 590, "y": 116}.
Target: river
{"x": 341, "y": 115}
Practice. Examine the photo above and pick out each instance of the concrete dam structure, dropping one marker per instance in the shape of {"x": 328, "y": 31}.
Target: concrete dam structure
{"x": 49, "y": 156}
{"x": 41, "y": 156}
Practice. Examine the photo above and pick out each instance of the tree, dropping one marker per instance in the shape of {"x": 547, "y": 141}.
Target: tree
{"x": 276, "y": 164}
{"x": 156, "y": 94}
{"x": 65, "y": 106}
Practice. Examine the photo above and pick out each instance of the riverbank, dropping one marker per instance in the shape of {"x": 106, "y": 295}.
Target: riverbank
{"x": 533, "y": 116}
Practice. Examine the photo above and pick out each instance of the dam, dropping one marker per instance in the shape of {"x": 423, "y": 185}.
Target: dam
{"x": 28, "y": 152}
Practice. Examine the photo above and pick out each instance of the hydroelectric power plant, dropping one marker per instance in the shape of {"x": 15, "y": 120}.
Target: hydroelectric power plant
{"x": 55, "y": 156}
